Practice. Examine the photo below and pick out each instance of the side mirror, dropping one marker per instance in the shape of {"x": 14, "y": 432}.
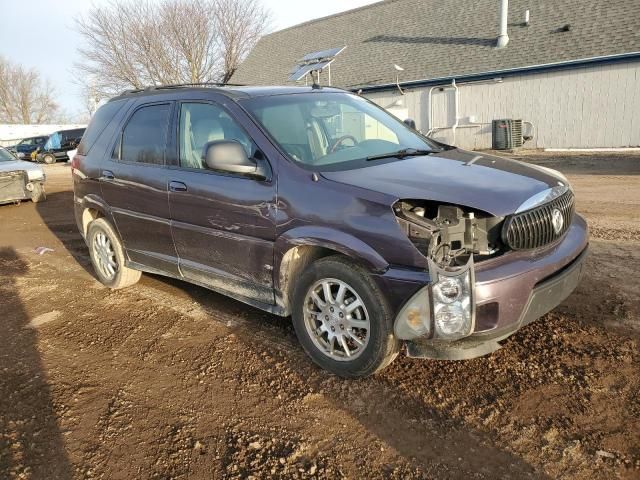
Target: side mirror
{"x": 230, "y": 156}
{"x": 410, "y": 122}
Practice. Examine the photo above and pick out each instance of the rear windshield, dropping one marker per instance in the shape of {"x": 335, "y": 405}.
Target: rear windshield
{"x": 98, "y": 122}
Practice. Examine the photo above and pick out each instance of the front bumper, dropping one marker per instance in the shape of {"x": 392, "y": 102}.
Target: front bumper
{"x": 16, "y": 186}
{"x": 511, "y": 290}
{"x": 544, "y": 297}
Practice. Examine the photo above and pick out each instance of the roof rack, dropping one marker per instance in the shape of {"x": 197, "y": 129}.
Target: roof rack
{"x": 181, "y": 85}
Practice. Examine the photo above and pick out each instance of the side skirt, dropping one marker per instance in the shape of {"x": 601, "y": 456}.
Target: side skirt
{"x": 267, "y": 307}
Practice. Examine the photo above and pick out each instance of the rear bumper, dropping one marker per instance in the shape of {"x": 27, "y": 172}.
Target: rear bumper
{"x": 511, "y": 291}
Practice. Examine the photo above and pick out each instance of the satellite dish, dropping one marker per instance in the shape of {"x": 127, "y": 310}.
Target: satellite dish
{"x": 398, "y": 68}
{"x": 314, "y": 62}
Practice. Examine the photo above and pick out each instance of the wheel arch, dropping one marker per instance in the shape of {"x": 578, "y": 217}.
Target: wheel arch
{"x": 92, "y": 208}
{"x": 298, "y": 248}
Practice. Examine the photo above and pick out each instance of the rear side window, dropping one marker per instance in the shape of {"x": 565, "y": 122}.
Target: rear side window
{"x": 98, "y": 123}
{"x": 144, "y": 139}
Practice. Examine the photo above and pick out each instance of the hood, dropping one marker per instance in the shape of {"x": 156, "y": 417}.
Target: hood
{"x": 492, "y": 184}
{"x": 33, "y": 171}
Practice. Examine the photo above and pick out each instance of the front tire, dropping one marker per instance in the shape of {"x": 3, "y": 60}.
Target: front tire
{"x": 49, "y": 159}
{"x": 107, "y": 256}
{"x": 342, "y": 319}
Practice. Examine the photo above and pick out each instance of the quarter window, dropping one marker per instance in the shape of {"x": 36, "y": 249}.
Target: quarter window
{"x": 144, "y": 139}
{"x": 201, "y": 123}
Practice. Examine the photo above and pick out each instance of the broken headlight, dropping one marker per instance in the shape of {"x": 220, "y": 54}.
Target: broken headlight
{"x": 445, "y": 309}
{"x": 449, "y": 234}
{"x": 453, "y": 302}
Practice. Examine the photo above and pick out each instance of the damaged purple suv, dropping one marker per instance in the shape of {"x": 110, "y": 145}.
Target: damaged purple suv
{"x": 316, "y": 203}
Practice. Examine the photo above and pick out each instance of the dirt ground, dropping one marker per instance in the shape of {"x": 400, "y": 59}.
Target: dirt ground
{"x": 168, "y": 380}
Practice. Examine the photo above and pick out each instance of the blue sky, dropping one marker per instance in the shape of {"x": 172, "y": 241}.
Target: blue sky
{"x": 41, "y": 34}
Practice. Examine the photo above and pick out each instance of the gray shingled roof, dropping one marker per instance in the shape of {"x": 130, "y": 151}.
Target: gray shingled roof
{"x": 445, "y": 38}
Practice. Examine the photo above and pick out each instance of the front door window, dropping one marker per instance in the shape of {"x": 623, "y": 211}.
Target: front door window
{"x": 201, "y": 123}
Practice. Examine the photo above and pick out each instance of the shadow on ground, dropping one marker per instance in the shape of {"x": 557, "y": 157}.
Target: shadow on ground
{"x": 31, "y": 444}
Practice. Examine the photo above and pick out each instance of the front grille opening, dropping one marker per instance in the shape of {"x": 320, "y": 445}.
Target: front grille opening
{"x": 534, "y": 228}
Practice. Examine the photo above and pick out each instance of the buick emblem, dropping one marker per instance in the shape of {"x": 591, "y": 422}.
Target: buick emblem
{"x": 557, "y": 221}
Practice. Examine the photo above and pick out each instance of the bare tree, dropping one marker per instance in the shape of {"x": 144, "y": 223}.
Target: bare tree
{"x": 240, "y": 26}
{"x": 136, "y": 44}
{"x": 24, "y": 96}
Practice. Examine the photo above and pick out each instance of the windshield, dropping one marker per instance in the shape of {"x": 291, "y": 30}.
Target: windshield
{"x": 5, "y": 156}
{"x": 332, "y": 131}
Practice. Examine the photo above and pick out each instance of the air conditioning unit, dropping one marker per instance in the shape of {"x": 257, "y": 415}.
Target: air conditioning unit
{"x": 506, "y": 134}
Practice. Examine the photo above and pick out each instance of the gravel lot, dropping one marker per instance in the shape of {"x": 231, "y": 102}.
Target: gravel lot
{"x": 169, "y": 380}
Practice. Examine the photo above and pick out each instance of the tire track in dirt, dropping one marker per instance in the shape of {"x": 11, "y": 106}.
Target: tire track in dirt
{"x": 185, "y": 383}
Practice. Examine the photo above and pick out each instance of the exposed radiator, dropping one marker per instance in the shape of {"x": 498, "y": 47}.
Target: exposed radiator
{"x": 13, "y": 186}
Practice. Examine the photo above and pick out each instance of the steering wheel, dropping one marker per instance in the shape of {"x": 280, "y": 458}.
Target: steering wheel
{"x": 338, "y": 141}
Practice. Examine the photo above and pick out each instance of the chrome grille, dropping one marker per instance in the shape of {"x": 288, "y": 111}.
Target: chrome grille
{"x": 534, "y": 228}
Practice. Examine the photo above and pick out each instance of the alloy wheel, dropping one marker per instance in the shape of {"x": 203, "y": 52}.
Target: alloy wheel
{"x": 105, "y": 256}
{"x": 336, "y": 319}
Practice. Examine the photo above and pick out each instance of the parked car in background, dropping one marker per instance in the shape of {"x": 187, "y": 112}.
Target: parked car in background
{"x": 317, "y": 203}
{"x": 58, "y": 144}
{"x": 24, "y": 148}
{"x": 20, "y": 180}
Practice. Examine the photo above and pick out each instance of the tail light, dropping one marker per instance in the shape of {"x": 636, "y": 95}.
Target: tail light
{"x": 75, "y": 163}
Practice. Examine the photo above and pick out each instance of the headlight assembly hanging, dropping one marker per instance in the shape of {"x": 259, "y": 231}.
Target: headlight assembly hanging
{"x": 444, "y": 309}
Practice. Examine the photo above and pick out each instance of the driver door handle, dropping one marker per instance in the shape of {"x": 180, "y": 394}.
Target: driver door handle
{"x": 177, "y": 186}
{"x": 108, "y": 175}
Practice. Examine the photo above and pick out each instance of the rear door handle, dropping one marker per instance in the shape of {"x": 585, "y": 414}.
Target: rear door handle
{"x": 108, "y": 175}
{"x": 177, "y": 186}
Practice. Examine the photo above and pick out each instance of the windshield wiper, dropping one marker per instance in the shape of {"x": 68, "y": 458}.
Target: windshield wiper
{"x": 405, "y": 152}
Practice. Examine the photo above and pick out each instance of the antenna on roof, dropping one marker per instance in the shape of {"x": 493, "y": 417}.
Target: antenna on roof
{"x": 314, "y": 63}
{"x": 398, "y": 70}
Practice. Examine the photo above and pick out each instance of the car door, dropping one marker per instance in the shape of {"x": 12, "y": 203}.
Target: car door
{"x": 134, "y": 185}
{"x": 222, "y": 223}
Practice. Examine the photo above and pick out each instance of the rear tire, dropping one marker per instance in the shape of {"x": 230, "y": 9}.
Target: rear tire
{"x": 38, "y": 194}
{"x": 49, "y": 159}
{"x": 107, "y": 256}
{"x": 366, "y": 331}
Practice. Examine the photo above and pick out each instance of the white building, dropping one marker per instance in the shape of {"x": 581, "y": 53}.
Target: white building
{"x": 570, "y": 69}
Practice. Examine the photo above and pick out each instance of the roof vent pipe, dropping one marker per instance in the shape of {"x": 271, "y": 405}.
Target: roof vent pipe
{"x": 503, "y": 37}
{"x": 526, "y": 18}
